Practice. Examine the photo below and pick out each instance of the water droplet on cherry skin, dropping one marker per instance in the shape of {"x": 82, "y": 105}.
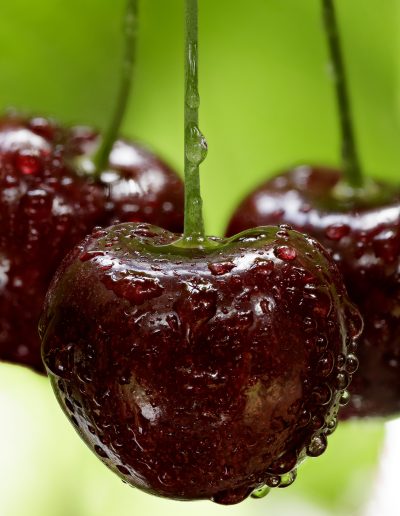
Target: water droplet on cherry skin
{"x": 28, "y": 162}
{"x": 285, "y": 253}
{"x": 337, "y": 231}
{"x": 317, "y": 446}
{"x": 219, "y": 269}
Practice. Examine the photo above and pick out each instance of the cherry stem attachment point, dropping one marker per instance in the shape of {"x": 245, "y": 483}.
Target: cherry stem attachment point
{"x": 102, "y": 156}
{"x": 351, "y": 163}
{"x": 195, "y": 143}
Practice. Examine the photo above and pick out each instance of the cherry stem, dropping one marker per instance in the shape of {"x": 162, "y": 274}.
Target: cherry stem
{"x": 351, "y": 163}
{"x": 195, "y": 143}
{"x": 102, "y": 156}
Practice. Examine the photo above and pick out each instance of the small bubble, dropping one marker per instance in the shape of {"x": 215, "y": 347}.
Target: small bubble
{"x": 322, "y": 395}
{"x": 88, "y": 255}
{"x": 123, "y": 469}
{"x": 337, "y": 231}
{"x": 331, "y": 426}
{"x": 317, "y": 446}
{"x": 325, "y": 364}
{"x": 342, "y": 380}
{"x": 341, "y": 361}
{"x": 196, "y": 150}
{"x": 304, "y": 419}
{"x": 352, "y": 364}
{"x": 28, "y": 162}
{"x": 288, "y": 479}
{"x": 261, "y": 492}
{"x": 285, "y": 253}
{"x": 273, "y": 481}
{"x": 218, "y": 269}
{"x": 345, "y": 398}
{"x": 100, "y": 452}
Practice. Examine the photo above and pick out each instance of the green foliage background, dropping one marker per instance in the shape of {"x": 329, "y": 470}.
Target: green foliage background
{"x": 267, "y": 103}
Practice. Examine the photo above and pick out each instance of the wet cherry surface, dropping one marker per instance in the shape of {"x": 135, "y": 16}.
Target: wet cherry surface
{"x": 364, "y": 240}
{"x": 45, "y": 209}
{"x": 200, "y": 373}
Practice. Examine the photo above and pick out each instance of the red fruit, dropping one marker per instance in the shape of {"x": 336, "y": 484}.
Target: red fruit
{"x": 198, "y": 373}
{"x": 46, "y": 208}
{"x": 363, "y": 237}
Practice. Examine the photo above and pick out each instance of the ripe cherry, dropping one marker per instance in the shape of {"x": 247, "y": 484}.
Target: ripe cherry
{"x": 48, "y": 204}
{"x": 359, "y": 223}
{"x": 364, "y": 240}
{"x": 200, "y": 367}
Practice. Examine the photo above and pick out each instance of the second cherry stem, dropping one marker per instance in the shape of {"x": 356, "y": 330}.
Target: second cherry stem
{"x": 130, "y": 36}
{"x": 351, "y": 163}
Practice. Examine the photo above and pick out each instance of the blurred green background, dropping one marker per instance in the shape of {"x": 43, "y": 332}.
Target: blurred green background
{"x": 267, "y": 102}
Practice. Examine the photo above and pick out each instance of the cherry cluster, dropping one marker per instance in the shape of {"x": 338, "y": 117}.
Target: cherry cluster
{"x": 197, "y": 367}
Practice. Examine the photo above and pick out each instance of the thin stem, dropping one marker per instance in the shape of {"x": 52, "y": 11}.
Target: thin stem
{"x": 130, "y": 35}
{"x": 195, "y": 143}
{"x": 351, "y": 162}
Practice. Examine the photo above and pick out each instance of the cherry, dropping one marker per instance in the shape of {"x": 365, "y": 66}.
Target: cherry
{"x": 195, "y": 367}
{"x": 46, "y": 208}
{"x": 359, "y": 223}
{"x": 56, "y": 184}
{"x": 364, "y": 240}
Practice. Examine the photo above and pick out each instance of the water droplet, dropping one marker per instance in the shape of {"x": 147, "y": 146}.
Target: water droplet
{"x": 196, "y": 150}
{"x": 261, "y": 492}
{"x": 351, "y": 364}
{"x": 322, "y": 395}
{"x": 88, "y": 255}
{"x": 317, "y": 446}
{"x": 337, "y": 231}
{"x": 288, "y": 479}
{"x": 28, "y": 162}
{"x": 273, "y": 481}
{"x": 341, "y": 361}
{"x": 342, "y": 380}
{"x": 325, "y": 364}
{"x": 123, "y": 469}
{"x": 304, "y": 419}
{"x": 218, "y": 269}
{"x": 331, "y": 426}
{"x": 192, "y": 98}
{"x": 285, "y": 253}
{"x": 100, "y": 452}
{"x": 321, "y": 343}
{"x": 345, "y": 398}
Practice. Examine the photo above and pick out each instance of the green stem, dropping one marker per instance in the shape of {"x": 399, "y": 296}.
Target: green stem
{"x": 195, "y": 143}
{"x": 130, "y": 31}
{"x": 351, "y": 163}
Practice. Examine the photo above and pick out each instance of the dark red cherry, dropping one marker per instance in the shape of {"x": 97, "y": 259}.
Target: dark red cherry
{"x": 200, "y": 372}
{"x": 46, "y": 208}
{"x": 140, "y": 187}
{"x": 363, "y": 237}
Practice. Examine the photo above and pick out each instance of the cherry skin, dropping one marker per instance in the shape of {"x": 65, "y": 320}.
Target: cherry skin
{"x": 364, "y": 240}
{"x": 46, "y": 208}
{"x": 200, "y": 373}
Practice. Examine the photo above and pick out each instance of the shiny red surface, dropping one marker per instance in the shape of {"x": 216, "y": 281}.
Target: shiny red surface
{"x": 46, "y": 208}
{"x": 364, "y": 240}
{"x": 200, "y": 373}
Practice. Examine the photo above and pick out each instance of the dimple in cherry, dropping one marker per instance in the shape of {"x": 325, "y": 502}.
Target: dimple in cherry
{"x": 199, "y": 367}
{"x": 358, "y": 221}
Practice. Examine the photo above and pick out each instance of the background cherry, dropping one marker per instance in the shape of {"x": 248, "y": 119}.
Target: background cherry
{"x": 200, "y": 367}
{"x": 48, "y": 205}
{"x": 359, "y": 222}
